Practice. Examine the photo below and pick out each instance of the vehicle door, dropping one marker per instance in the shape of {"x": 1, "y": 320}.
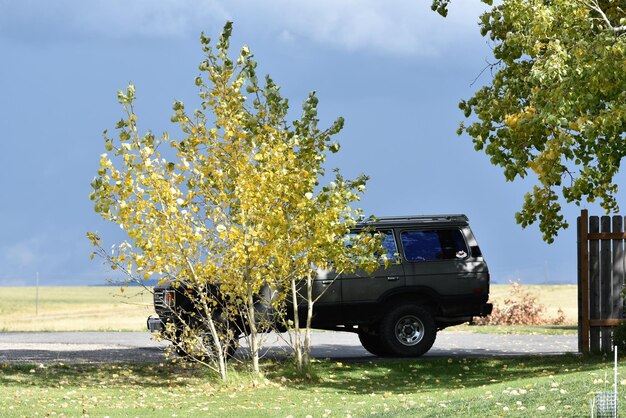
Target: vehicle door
{"x": 361, "y": 290}
{"x": 327, "y": 296}
{"x": 438, "y": 259}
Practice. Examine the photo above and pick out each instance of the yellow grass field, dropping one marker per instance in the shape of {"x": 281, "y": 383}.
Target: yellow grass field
{"x": 74, "y": 309}
{"x": 108, "y": 309}
{"x": 552, "y": 297}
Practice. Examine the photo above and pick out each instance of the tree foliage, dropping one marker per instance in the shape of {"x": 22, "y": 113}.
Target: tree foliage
{"x": 556, "y": 106}
{"x": 239, "y": 206}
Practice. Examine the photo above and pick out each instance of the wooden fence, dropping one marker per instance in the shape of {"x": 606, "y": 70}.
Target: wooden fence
{"x": 600, "y": 280}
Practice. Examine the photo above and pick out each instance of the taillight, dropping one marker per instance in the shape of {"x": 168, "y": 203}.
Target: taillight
{"x": 169, "y": 298}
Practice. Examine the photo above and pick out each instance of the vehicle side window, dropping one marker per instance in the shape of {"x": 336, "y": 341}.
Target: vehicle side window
{"x": 430, "y": 245}
{"x": 388, "y": 243}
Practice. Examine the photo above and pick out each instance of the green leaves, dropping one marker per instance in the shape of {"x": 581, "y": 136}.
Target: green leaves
{"x": 126, "y": 97}
{"x": 555, "y": 106}
{"x": 224, "y": 42}
{"x": 334, "y": 147}
{"x": 440, "y": 6}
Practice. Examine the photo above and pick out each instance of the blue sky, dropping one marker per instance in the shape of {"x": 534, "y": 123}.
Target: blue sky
{"x": 394, "y": 70}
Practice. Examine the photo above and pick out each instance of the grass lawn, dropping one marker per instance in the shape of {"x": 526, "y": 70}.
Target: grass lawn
{"x": 524, "y": 386}
{"x": 537, "y": 386}
{"x": 517, "y": 329}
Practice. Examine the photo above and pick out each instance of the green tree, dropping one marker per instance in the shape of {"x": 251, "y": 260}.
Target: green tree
{"x": 235, "y": 210}
{"x": 556, "y": 106}
{"x": 322, "y": 244}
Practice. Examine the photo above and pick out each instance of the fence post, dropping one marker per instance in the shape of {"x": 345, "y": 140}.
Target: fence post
{"x": 579, "y": 287}
{"x": 617, "y": 306}
{"x": 584, "y": 282}
{"x": 594, "y": 284}
{"x": 605, "y": 285}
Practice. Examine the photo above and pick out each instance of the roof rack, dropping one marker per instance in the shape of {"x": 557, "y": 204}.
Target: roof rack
{"x": 423, "y": 218}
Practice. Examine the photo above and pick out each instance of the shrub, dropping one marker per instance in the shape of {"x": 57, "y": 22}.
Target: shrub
{"x": 520, "y": 308}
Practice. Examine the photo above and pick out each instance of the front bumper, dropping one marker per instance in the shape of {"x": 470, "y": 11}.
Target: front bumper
{"x": 155, "y": 324}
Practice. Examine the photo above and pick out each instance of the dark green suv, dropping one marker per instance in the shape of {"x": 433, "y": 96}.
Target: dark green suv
{"x": 437, "y": 278}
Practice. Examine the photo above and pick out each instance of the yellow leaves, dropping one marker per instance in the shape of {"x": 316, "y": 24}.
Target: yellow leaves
{"x": 546, "y": 165}
{"x": 198, "y": 130}
{"x": 581, "y": 12}
{"x": 146, "y": 152}
{"x": 514, "y": 121}
{"x": 580, "y": 123}
{"x": 104, "y": 160}
{"x": 537, "y": 166}
{"x": 238, "y": 204}
{"x": 539, "y": 47}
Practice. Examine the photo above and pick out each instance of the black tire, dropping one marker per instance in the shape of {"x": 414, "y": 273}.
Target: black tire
{"x": 202, "y": 346}
{"x": 229, "y": 344}
{"x": 408, "y": 331}
{"x": 373, "y": 344}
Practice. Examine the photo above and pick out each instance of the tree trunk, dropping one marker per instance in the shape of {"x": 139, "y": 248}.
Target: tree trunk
{"x": 254, "y": 337}
{"x": 296, "y": 327}
{"x": 309, "y": 316}
{"x": 219, "y": 348}
{"x": 221, "y": 354}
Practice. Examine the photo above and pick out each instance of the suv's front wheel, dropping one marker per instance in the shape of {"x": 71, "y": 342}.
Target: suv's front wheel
{"x": 408, "y": 330}
{"x": 373, "y": 344}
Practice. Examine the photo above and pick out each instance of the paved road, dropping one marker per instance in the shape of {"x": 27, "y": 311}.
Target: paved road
{"x": 96, "y": 347}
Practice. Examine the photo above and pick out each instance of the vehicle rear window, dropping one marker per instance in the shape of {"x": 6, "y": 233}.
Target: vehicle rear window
{"x": 430, "y": 245}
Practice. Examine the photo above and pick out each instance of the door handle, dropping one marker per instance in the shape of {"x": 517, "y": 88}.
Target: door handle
{"x": 393, "y": 278}
{"x": 327, "y": 282}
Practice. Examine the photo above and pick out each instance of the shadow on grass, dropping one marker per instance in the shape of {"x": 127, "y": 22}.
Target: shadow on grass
{"x": 97, "y": 375}
{"x": 364, "y": 375}
{"x": 430, "y": 374}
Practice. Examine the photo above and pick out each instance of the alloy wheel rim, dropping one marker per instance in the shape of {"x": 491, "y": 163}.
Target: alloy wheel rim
{"x": 409, "y": 330}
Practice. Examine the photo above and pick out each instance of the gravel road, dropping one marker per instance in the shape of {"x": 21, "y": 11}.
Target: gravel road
{"x": 110, "y": 347}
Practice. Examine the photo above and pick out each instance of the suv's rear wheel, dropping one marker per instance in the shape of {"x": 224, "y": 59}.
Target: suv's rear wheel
{"x": 408, "y": 331}
{"x": 373, "y": 344}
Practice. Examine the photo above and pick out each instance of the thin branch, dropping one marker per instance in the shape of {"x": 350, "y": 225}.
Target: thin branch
{"x": 593, "y": 5}
{"x": 488, "y": 66}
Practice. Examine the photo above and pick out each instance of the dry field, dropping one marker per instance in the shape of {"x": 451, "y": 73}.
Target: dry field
{"x": 74, "y": 309}
{"x": 109, "y": 309}
{"x": 552, "y": 297}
